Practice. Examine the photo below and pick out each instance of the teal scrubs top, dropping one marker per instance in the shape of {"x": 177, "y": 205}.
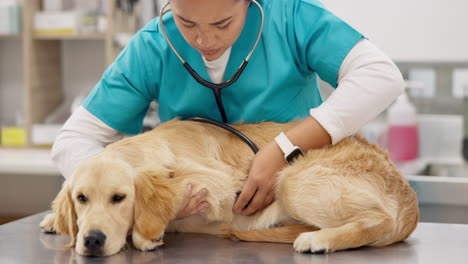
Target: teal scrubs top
{"x": 300, "y": 40}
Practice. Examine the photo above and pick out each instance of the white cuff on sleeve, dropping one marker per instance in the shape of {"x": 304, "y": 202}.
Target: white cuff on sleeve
{"x": 330, "y": 121}
{"x": 81, "y": 137}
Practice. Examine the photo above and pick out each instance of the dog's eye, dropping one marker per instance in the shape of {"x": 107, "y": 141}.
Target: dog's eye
{"x": 118, "y": 198}
{"x": 82, "y": 198}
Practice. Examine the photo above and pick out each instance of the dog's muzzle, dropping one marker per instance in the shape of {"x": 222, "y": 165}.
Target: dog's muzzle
{"x": 94, "y": 242}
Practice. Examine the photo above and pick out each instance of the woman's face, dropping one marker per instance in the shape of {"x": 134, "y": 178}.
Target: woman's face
{"x": 210, "y": 26}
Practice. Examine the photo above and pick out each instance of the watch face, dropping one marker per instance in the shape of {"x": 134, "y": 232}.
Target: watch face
{"x": 293, "y": 155}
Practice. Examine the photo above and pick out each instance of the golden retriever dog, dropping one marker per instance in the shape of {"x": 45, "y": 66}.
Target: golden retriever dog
{"x": 337, "y": 197}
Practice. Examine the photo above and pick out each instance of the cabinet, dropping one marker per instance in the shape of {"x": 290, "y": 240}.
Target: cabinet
{"x": 35, "y": 87}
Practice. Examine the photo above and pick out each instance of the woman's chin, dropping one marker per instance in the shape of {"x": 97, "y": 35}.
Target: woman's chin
{"x": 211, "y": 55}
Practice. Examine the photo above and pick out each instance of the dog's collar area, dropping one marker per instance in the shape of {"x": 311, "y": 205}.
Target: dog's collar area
{"x": 229, "y": 128}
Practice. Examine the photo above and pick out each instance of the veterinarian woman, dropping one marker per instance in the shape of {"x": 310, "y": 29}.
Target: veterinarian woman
{"x": 300, "y": 42}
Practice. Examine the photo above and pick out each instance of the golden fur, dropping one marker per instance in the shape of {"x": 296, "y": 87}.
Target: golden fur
{"x": 338, "y": 197}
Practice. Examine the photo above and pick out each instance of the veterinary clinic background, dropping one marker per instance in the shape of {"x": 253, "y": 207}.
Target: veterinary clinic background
{"x": 64, "y": 57}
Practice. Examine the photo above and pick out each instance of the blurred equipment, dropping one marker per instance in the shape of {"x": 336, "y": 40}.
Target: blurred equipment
{"x": 10, "y": 16}
{"x": 13, "y": 134}
{"x": 51, "y": 22}
{"x": 459, "y": 82}
{"x": 89, "y": 14}
{"x": 71, "y": 17}
{"x": 57, "y": 5}
{"x": 440, "y": 137}
{"x": 465, "y": 120}
{"x": 427, "y": 78}
{"x": 126, "y": 18}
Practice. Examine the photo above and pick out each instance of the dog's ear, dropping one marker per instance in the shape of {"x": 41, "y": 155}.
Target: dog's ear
{"x": 65, "y": 216}
{"x": 154, "y": 205}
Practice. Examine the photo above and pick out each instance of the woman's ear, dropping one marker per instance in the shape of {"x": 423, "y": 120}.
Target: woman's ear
{"x": 65, "y": 216}
{"x": 154, "y": 205}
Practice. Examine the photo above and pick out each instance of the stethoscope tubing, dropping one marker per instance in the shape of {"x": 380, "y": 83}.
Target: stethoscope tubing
{"x": 229, "y": 128}
{"x": 215, "y": 87}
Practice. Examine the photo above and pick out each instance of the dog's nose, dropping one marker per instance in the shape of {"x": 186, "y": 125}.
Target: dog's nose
{"x": 95, "y": 240}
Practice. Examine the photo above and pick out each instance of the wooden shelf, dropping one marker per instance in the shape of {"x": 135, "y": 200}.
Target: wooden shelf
{"x": 96, "y": 36}
{"x": 33, "y": 147}
{"x": 42, "y": 59}
{"x": 27, "y": 161}
{"x": 10, "y": 36}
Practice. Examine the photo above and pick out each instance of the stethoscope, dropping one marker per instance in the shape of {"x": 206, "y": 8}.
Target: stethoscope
{"x": 215, "y": 87}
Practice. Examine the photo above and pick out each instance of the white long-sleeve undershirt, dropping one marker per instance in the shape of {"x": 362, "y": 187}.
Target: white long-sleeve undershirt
{"x": 368, "y": 82}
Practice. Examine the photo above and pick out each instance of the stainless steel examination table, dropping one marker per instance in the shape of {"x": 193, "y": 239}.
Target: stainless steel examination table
{"x": 22, "y": 242}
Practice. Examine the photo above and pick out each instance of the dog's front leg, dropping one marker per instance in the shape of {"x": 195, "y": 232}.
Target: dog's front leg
{"x": 144, "y": 244}
{"x": 47, "y": 224}
{"x": 153, "y": 210}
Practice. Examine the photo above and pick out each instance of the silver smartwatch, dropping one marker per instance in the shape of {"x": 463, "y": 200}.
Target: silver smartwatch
{"x": 290, "y": 151}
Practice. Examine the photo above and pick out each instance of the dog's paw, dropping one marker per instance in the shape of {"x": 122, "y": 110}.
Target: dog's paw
{"x": 144, "y": 244}
{"x": 310, "y": 242}
{"x": 47, "y": 224}
{"x": 228, "y": 232}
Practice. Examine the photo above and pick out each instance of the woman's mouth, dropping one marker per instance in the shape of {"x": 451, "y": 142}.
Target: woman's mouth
{"x": 208, "y": 52}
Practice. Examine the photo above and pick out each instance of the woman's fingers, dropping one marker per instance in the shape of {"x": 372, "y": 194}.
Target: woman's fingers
{"x": 200, "y": 207}
{"x": 187, "y": 195}
{"x": 245, "y": 196}
{"x": 196, "y": 200}
{"x": 259, "y": 201}
{"x": 192, "y": 204}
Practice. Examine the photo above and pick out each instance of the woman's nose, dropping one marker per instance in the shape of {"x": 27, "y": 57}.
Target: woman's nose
{"x": 205, "y": 39}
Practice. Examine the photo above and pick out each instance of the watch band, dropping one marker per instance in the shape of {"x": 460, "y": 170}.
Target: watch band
{"x": 290, "y": 151}
{"x": 284, "y": 143}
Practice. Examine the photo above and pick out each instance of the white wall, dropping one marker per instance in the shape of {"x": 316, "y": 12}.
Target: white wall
{"x": 410, "y": 30}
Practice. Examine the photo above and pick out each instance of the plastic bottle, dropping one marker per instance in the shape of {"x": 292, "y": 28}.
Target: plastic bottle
{"x": 403, "y": 140}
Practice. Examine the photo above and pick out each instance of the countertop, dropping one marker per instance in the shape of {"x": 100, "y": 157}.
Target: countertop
{"x": 22, "y": 242}
{"x": 27, "y": 161}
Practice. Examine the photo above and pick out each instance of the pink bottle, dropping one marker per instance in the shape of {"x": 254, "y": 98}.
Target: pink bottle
{"x": 403, "y": 140}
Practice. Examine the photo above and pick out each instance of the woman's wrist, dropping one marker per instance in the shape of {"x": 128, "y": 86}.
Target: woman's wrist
{"x": 308, "y": 134}
{"x": 277, "y": 154}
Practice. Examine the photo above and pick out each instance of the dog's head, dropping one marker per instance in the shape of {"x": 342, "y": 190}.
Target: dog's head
{"x": 104, "y": 199}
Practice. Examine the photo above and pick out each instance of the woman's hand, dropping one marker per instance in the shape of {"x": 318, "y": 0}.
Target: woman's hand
{"x": 260, "y": 186}
{"x": 192, "y": 204}
{"x": 258, "y": 191}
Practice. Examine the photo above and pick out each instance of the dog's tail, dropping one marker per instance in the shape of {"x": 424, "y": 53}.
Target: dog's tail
{"x": 282, "y": 234}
